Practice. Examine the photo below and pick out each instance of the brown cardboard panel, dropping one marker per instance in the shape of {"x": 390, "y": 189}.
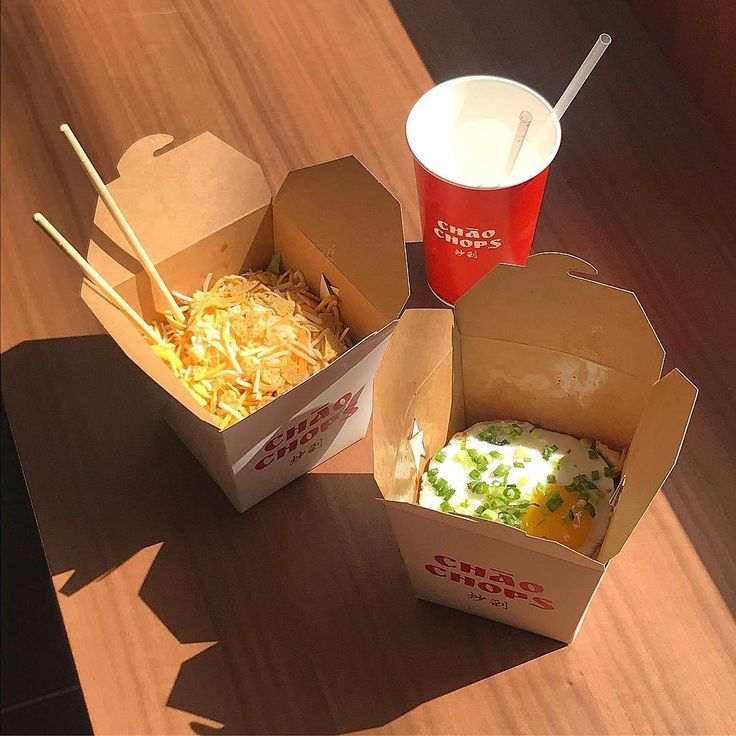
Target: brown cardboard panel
{"x": 558, "y": 391}
{"x": 420, "y": 343}
{"x": 177, "y": 199}
{"x": 228, "y": 251}
{"x": 361, "y": 237}
{"x": 543, "y": 305}
{"x": 299, "y": 252}
{"x": 652, "y": 455}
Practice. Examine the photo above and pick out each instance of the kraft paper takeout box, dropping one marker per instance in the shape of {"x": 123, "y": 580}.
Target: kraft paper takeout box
{"x": 533, "y": 343}
{"x": 204, "y": 207}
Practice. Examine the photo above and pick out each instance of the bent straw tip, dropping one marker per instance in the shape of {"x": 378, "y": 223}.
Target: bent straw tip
{"x": 604, "y": 38}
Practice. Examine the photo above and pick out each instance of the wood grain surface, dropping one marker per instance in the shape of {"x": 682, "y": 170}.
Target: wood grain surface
{"x": 697, "y": 39}
{"x": 296, "y": 617}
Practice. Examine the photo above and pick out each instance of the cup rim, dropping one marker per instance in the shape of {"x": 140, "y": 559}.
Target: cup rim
{"x": 473, "y": 77}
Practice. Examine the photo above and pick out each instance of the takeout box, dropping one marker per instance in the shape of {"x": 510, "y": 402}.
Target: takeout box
{"x": 539, "y": 344}
{"x": 202, "y": 207}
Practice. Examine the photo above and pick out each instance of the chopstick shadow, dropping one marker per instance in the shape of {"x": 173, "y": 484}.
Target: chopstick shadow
{"x": 143, "y": 284}
{"x": 306, "y": 595}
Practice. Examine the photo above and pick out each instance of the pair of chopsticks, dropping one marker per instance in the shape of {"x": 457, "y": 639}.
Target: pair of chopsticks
{"x": 96, "y": 279}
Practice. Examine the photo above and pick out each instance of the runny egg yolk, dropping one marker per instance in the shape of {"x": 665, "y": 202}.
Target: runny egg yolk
{"x": 539, "y": 521}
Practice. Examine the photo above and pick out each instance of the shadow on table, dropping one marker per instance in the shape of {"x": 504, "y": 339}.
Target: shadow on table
{"x": 305, "y": 595}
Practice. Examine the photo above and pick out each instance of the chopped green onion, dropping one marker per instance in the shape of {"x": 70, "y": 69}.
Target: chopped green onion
{"x": 590, "y": 508}
{"x": 586, "y": 444}
{"x": 596, "y": 475}
{"x": 501, "y": 470}
{"x": 554, "y": 501}
{"x": 496, "y": 483}
{"x": 551, "y": 479}
{"x": 473, "y": 452}
{"x": 480, "y": 509}
{"x": 474, "y": 474}
{"x": 495, "y": 454}
{"x": 444, "y": 506}
{"x": 490, "y": 514}
{"x": 274, "y": 266}
{"x": 481, "y": 487}
{"x": 608, "y": 472}
{"x": 518, "y": 465}
{"x": 548, "y": 450}
{"x": 441, "y": 456}
{"x": 592, "y": 454}
{"x": 527, "y": 459}
{"x": 512, "y": 493}
{"x": 464, "y": 504}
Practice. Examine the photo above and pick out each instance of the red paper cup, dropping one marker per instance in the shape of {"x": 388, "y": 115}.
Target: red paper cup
{"x": 473, "y": 218}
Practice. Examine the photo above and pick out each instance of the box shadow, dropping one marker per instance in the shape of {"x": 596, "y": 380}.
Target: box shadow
{"x": 306, "y": 596}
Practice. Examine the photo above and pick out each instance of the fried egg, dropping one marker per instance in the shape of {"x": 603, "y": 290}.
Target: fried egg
{"x": 545, "y": 483}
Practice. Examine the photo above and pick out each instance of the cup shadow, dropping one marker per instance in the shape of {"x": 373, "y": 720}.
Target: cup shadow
{"x": 306, "y": 596}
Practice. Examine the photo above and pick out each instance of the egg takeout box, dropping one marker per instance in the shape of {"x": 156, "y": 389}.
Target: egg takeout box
{"x": 539, "y": 344}
{"x": 202, "y": 207}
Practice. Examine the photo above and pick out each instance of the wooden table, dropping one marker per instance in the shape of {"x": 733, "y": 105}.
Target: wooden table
{"x": 296, "y": 617}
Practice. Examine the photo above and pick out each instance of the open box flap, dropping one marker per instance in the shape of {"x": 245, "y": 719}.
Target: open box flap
{"x": 652, "y": 455}
{"x": 197, "y": 207}
{"x": 497, "y": 531}
{"x": 559, "y": 350}
{"x": 175, "y": 200}
{"x": 362, "y": 238}
{"x": 420, "y": 349}
{"x": 544, "y": 305}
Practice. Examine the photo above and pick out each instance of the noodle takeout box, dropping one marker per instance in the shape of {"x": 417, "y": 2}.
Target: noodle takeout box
{"x": 202, "y": 207}
{"x": 539, "y": 344}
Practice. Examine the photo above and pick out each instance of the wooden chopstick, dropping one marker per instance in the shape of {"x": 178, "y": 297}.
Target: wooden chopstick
{"x": 95, "y": 278}
{"x": 122, "y": 222}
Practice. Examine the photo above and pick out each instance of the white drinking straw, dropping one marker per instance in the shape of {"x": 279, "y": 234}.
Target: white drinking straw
{"x": 525, "y": 120}
{"x": 582, "y": 74}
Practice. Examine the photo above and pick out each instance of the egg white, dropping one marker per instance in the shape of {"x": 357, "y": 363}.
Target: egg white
{"x": 572, "y": 454}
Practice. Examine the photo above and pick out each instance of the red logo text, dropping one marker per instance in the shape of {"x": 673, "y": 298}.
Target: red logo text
{"x": 307, "y": 431}
{"x": 489, "y": 580}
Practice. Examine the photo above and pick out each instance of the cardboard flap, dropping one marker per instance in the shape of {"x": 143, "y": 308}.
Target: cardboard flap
{"x": 362, "y": 237}
{"x": 544, "y": 305}
{"x": 652, "y": 455}
{"x": 142, "y": 152}
{"x": 420, "y": 345}
{"x": 174, "y": 200}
